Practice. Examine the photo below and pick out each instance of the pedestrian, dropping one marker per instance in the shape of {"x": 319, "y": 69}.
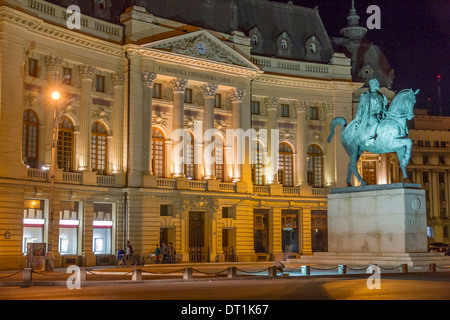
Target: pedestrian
{"x": 164, "y": 252}
{"x": 157, "y": 253}
{"x": 120, "y": 253}
{"x": 129, "y": 250}
{"x": 171, "y": 252}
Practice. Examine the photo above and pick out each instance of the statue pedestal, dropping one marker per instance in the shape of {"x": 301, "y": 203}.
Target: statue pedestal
{"x": 380, "y": 224}
{"x": 377, "y": 219}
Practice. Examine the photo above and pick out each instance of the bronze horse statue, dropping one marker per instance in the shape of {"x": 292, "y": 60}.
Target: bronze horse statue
{"x": 391, "y": 134}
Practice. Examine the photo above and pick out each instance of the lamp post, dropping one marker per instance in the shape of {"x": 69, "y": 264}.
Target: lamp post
{"x": 50, "y": 258}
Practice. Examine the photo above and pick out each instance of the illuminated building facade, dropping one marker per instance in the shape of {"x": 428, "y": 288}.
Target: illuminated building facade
{"x": 128, "y": 79}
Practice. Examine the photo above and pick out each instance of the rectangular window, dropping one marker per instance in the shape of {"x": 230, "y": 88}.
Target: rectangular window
{"x": 425, "y": 177}
{"x": 68, "y": 227}
{"x": 33, "y": 67}
{"x": 261, "y": 230}
{"x": 426, "y": 159}
{"x": 420, "y": 143}
{"x": 102, "y": 228}
{"x": 100, "y": 83}
{"x": 188, "y": 96}
{"x": 157, "y": 90}
{"x": 164, "y": 210}
{"x": 285, "y": 110}
{"x": 314, "y": 113}
{"x": 67, "y": 76}
{"x": 443, "y": 144}
{"x": 227, "y": 213}
{"x": 255, "y": 107}
{"x": 218, "y": 100}
{"x": 427, "y": 144}
{"x": 441, "y": 160}
{"x": 33, "y": 222}
{"x": 436, "y": 144}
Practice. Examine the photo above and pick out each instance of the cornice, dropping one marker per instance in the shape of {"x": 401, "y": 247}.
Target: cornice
{"x": 39, "y": 26}
{"x": 192, "y": 62}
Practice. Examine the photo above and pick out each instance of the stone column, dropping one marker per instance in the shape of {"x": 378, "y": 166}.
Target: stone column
{"x": 209, "y": 92}
{"x": 148, "y": 83}
{"x": 53, "y": 70}
{"x": 87, "y": 74}
{"x": 178, "y": 87}
{"x": 237, "y": 96}
{"x": 117, "y": 123}
{"x": 301, "y": 106}
{"x": 306, "y": 235}
{"x": 88, "y": 233}
{"x": 330, "y": 172}
{"x": 434, "y": 193}
{"x": 272, "y": 106}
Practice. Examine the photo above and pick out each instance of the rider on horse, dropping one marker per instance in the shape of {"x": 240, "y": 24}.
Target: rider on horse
{"x": 371, "y": 110}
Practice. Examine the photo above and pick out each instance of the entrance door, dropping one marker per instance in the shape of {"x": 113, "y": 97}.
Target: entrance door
{"x": 289, "y": 234}
{"x": 198, "y": 252}
{"x": 228, "y": 244}
{"x": 370, "y": 172}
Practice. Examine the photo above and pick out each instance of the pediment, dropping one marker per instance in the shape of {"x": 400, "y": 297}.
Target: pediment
{"x": 204, "y": 45}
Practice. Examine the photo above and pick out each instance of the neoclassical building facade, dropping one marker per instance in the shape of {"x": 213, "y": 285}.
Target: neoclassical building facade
{"x": 128, "y": 87}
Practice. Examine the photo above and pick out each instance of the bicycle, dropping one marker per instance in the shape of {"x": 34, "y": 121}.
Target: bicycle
{"x": 152, "y": 259}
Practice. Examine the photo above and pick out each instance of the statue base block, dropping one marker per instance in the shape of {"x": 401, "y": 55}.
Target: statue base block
{"x": 384, "y": 224}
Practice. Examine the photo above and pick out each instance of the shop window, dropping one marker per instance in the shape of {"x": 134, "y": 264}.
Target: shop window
{"x": 102, "y": 228}
{"x": 30, "y": 138}
{"x": 33, "y": 222}
{"x": 68, "y": 228}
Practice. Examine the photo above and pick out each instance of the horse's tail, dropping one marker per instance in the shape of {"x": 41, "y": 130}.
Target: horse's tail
{"x": 339, "y": 121}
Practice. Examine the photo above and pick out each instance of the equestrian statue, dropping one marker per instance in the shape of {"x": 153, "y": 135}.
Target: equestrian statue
{"x": 377, "y": 129}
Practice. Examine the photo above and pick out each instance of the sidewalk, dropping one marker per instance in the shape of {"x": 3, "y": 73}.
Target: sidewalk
{"x": 199, "y": 271}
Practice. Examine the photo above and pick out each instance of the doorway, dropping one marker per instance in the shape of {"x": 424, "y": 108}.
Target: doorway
{"x": 197, "y": 250}
{"x": 229, "y": 245}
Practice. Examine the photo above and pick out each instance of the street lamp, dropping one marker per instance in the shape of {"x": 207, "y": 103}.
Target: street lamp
{"x": 50, "y": 258}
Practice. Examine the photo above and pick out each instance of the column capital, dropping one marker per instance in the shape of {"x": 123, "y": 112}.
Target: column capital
{"x": 53, "y": 66}
{"x": 272, "y": 103}
{"x": 179, "y": 85}
{"x": 148, "y": 79}
{"x": 237, "y": 95}
{"x": 118, "y": 79}
{"x": 87, "y": 72}
{"x": 301, "y": 105}
{"x": 209, "y": 90}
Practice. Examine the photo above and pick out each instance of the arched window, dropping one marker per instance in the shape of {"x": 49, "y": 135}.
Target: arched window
{"x": 158, "y": 155}
{"x": 189, "y": 168}
{"x": 65, "y": 145}
{"x": 315, "y": 166}
{"x": 285, "y": 165}
{"x": 102, "y": 4}
{"x": 219, "y": 158}
{"x": 99, "y": 148}
{"x": 30, "y": 138}
{"x": 257, "y": 165}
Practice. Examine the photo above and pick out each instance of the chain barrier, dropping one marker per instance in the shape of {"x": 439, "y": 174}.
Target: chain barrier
{"x": 11, "y": 275}
{"x": 324, "y": 269}
{"x": 442, "y": 267}
{"x": 203, "y": 272}
{"x": 387, "y": 268}
{"x": 168, "y": 272}
{"x": 249, "y": 272}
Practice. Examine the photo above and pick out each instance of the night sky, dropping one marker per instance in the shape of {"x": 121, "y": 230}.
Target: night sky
{"x": 414, "y": 36}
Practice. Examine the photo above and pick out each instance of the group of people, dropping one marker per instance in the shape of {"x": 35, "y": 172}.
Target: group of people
{"x": 166, "y": 254}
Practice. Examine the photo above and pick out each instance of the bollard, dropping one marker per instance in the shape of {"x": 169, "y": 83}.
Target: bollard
{"x": 187, "y": 274}
{"x": 432, "y": 267}
{"x": 342, "y": 269}
{"x": 404, "y": 268}
{"x": 26, "y": 277}
{"x": 137, "y": 275}
{"x": 306, "y": 270}
{"x": 272, "y": 271}
{"x": 232, "y": 272}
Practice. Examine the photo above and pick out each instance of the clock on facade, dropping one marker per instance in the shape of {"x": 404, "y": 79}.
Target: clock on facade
{"x": 201, "y": 48}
